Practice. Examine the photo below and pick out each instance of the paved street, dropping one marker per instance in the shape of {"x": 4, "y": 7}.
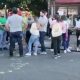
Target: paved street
{"x": 41, "y": 67}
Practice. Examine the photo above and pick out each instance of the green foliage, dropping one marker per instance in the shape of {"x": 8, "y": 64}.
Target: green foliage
{"x": 33, "y": 5}
{"x": 37, "y": 5}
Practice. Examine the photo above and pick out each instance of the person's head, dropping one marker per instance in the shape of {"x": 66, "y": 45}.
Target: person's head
{"x": 23, "y": 14}
{"x": 30, "y": 17}
{"x": 78, "y": 18}
{"x": 42, "y": 13}
{"x": 57, "y": 17}
{"x": 63, "y": 18}
{"x": 36, "y": 19}
{"x": 14, "y": 10}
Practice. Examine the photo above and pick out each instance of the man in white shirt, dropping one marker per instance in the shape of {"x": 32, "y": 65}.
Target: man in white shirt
{"x": 43, "y": 29}
{"x": 14, "y": 26}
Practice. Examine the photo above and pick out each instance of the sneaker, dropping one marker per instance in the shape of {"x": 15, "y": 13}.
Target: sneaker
{"x": 55, "y": 57}
{"x": 0, "y": 49}
{"x": 16, "y": 44}
{"x": 58, "y": 55}
{"x": 49, "y": 37}
{"x": 51, "y": 50}
{"x": 65, "y": 51}
{"x": 28, "y": 54}
{"x": 35, "y": 54}
{"x": 68, "y": 50}
{"x": 78, "y": 49}
{"x": 5, "y": 48}
{"x": 43, "y": 52}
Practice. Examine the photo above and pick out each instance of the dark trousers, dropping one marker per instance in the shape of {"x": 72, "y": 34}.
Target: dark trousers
{"x": 28, "y": 34}
{"x": 52, "y": 44}
{"x": 8, "y": 35}
{"x": 69, "y": 35}
{"x": 42, "y": 37}
{"x": 78, "y": 34}
{"x": 56, "y": 42}
{"x": 49, "y": 31}
{"x": 16, "y": 36}
{"x": 64, "y": 41}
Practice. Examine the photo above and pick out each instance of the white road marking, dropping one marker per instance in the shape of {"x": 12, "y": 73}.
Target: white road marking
{"x": 10, "y": 71}
{"x": 2, "y": 72}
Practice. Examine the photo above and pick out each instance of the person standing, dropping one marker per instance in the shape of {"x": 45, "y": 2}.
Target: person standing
{"x": 23, "y": 26}
{"x": 14, "y": 25}
{"x": 52, "y": 21}
{"x": 34, "y": 38}
{"x": 56, "y": 35}
{"x": 78, "y": 32}
{"x": 2, "y": 32}
{"x": 65, "y": 33}
{"x": 29, "y": 23}
{"x": 70, "y": 25}
{"x": 43, "y": 29}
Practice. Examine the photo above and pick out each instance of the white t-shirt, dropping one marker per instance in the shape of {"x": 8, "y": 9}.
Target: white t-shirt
{"x": 70, "y": 23}
{"x": 43, "y": 21}
{"x": 77, "y": 24}
{"x": 34, "y": 30}
{"x": 51, "y": 22}
{"x": 15, "y": 23}
{"x": 64, "y": 26}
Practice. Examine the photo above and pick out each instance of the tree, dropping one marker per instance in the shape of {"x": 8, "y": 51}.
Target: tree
{"x": 37, "y": 5}
{"x": 33, "y": 5}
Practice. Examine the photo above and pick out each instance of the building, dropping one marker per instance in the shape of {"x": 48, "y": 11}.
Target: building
{"x": 70, "y": 7}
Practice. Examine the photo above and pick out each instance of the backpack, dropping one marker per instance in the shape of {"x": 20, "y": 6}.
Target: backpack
{"x": 56, "y": 30}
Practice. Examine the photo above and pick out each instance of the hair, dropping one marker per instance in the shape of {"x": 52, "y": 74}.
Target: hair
{"x": 57, "y": 17}
{"x": 68, "y": 16}
{"x": 35, "y": 19}
{"x": 14, "y": 10}
{"x": 42, "y": 11}
{"x": 78, "y": 18}
{"x": 63, "y": 18}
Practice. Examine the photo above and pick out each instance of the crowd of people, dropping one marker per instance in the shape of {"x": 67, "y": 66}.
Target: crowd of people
{"x": 33, "y": 29}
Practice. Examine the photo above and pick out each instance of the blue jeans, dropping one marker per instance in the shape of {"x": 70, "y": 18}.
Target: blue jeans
{"x": 4, "y": 39}
{"x": 16, "y": 36}
{"x": 1, "y": 38}
{"x": 42, "y": 37}
{"x": 33, "y": 40}
{"x": 65, "y": 42}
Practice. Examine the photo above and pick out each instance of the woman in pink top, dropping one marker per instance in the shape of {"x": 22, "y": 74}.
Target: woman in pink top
{"x": 64, "y": 34}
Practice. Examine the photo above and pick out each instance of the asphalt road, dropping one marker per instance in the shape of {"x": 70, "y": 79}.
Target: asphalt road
{"x": 41, "y": 67}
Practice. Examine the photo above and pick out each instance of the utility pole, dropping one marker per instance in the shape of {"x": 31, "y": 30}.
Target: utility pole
{"x": 54, "y": 7}
{"x": 49, "y": 1}
{"x": 5, "y": 10}
{"x": 51, "y": 7}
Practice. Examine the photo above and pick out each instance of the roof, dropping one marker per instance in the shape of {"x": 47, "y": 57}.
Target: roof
{"x": 68, "y": 1}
